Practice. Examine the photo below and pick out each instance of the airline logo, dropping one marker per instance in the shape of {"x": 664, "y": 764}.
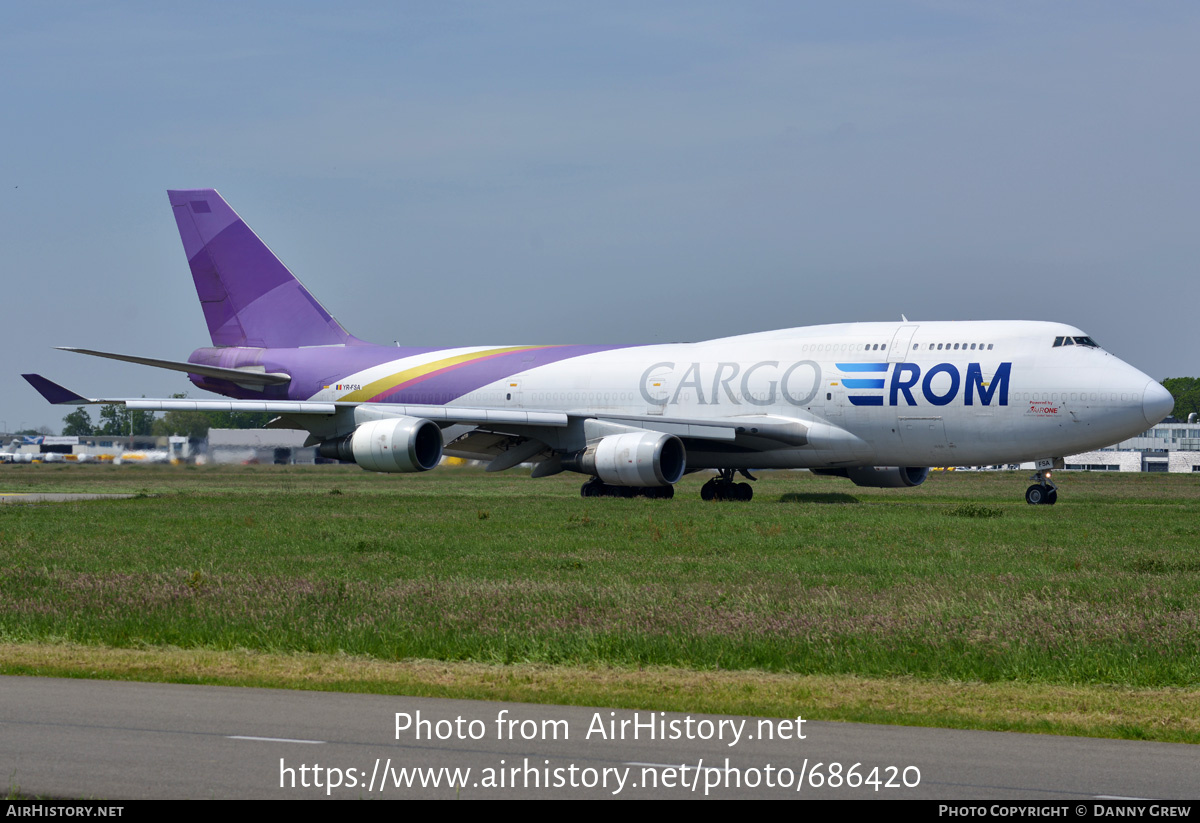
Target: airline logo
{"x": 870, "y": 385}
{"x": 770, "y": 382}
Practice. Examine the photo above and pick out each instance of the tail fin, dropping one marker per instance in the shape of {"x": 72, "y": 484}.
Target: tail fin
{"x": 248, "y": 296}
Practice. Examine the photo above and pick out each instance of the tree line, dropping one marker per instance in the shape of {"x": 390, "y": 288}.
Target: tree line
{"x": 118, "y": 421}
{"x": 1186, "y": 391}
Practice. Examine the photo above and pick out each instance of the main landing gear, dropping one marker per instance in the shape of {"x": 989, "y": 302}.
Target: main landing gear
{"x": 722, "y": 486}
{"x": 598, "y": 488}
{"x": 1043, "y": 492}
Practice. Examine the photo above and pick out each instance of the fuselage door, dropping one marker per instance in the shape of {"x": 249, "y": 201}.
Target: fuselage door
{"x": 512, "y": 392}
{"x": 901, "y": 343}
{"x": 657, "y": 389}
{"x": 835, "y": 399}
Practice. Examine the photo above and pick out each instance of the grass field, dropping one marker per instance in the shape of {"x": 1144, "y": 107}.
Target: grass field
{"x": 951, "y": 604}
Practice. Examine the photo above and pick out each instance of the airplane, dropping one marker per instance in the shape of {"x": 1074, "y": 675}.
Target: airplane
{"x": 876, "y": 402}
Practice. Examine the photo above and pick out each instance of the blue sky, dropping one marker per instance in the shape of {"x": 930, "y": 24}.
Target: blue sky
{"x": 462, "y": 173}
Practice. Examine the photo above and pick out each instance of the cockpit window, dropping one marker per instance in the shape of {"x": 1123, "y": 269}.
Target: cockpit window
{"x": 1075, "y": 341}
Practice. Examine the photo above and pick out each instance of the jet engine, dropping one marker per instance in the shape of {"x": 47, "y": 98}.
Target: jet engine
{"x": 881, "y": 477}
{"x": 632, "y": 459}
{"x": 397, "y": 444}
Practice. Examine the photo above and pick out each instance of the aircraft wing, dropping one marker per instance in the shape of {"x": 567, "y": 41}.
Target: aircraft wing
{"x": 505, "y": 437}
{"x": 62, "y": 396}
{"x": 785, "y": 430}
{"x": 447, "y": 415}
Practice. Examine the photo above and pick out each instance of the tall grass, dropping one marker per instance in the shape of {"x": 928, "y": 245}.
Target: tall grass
{"x": 956, "y": 580}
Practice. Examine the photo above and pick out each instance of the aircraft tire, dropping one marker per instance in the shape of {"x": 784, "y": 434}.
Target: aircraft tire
{"x": 1035, "y": 495}
{"x": 709, "y": 491}
{"x": 743, "y": 491}
{"x": 1052, "y": 497}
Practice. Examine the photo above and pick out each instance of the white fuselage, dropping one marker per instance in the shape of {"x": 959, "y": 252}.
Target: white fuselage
{"x": 899, "y": 394}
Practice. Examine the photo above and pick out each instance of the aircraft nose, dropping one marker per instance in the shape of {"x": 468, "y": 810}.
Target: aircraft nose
{"x": 1157, "y": 403}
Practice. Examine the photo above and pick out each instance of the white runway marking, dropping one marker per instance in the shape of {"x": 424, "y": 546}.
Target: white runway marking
{"x": 272, "y": 739}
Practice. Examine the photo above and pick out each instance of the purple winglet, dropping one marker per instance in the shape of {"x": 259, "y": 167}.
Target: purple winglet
{"x": 52, "y": 391}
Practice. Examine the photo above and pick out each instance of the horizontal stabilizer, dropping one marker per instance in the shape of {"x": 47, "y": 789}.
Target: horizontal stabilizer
{"x": 53, "y": 392}
{"x": 242, "y": 376}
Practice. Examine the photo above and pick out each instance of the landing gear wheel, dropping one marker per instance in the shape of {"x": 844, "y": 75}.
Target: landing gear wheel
{"x": 1043, "y": 492}
{"x": 722, "y": 487}
{"x": 598, "y": 488}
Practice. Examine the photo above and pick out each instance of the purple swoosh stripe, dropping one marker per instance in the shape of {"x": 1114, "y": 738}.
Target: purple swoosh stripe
{"x": 446, "y": 386}
{"x": 311, "y": 369}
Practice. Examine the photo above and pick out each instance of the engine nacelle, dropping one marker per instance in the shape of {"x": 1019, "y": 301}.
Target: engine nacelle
{"x": 633, "y": 459}
{"x": 397, "y": 444}
{"x": 881, "y": 477}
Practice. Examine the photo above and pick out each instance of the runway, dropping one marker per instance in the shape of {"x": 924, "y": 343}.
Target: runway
{"x": 64, "y": 738}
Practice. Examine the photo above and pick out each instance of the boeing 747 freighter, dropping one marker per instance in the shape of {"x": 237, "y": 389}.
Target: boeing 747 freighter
{"x": 878, "y": 403}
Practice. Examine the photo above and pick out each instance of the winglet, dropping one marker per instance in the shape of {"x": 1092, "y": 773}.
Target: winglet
{"x": 53, "y": 392}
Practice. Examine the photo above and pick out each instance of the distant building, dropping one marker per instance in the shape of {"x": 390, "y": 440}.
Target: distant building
{"x": 1168, "y": 447}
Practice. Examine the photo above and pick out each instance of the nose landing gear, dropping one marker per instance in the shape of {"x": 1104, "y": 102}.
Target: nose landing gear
{"x": 1044, "y": 492}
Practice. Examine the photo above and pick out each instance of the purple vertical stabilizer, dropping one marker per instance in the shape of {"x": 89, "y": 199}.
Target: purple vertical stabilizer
{"x": 248, "y": 296}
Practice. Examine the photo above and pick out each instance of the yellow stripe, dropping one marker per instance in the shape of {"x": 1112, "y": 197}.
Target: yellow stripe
{"x": 393, "y": 380}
